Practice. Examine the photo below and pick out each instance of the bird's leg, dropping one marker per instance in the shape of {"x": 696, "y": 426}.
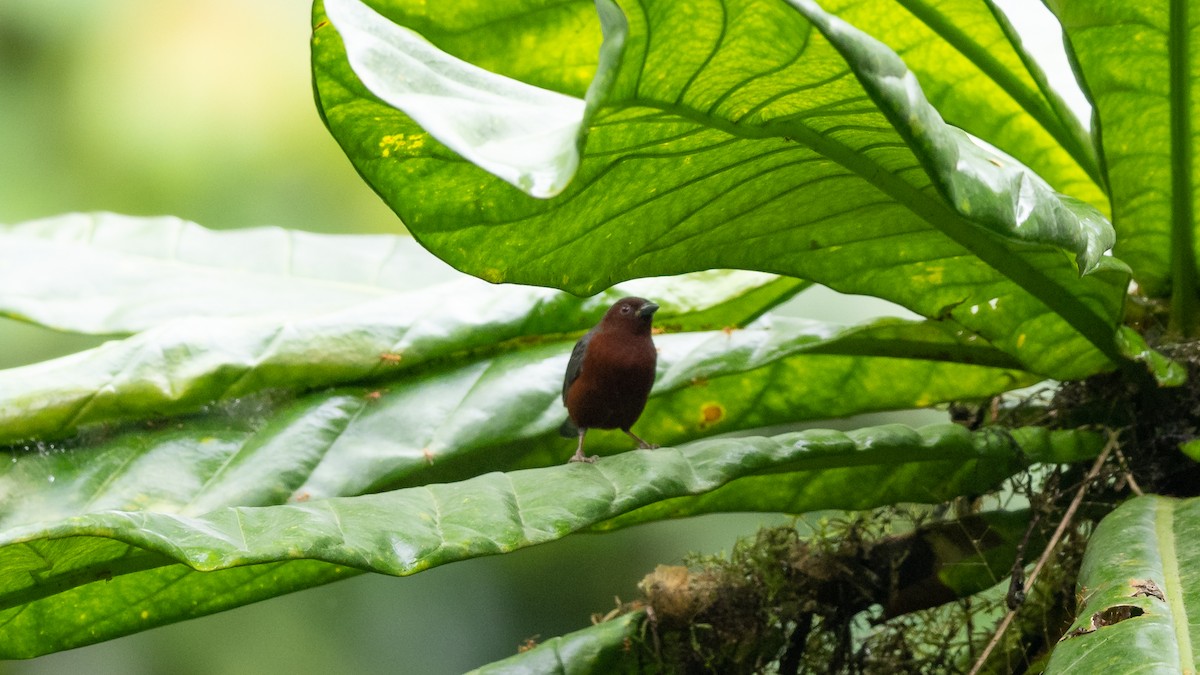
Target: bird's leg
{"x": 641, "y": 444}
{"x": 579, "y": 456}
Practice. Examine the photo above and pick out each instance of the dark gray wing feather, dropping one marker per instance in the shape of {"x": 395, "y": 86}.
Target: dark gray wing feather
{"x": 575, "y": 364}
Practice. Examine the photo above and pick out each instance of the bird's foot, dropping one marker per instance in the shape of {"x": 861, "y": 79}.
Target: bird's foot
{"x": 642, "y": 443}
{"x": 580, "y": 457}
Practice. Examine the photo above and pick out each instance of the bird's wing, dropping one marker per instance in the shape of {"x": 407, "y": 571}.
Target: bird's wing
{"x": 575, "y": 364}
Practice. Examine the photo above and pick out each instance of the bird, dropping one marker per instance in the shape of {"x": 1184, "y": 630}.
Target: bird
{"x": 610, "y": 374}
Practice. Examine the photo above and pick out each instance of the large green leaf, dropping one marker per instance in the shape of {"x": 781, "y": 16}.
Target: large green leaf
{"x": 113, "y": 601}
{"x": 709, "y": 381}
{"x": 810, "y": 152}
{"x": 477, "y": 414}
{"x": 958, "y": 69}
{"x": 928, "y": 465}
{"x": 206, "y": 338}
{"x": 976, "y": 71}
{"x": 1139, "y": 590}
{"x": 217, "y": 444}
{"x": 67, "y": 568}
{"x": 1138, "y": 62}
{"x": 122, "y": 274}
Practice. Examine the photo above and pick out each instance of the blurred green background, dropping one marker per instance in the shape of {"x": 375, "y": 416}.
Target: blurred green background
{"x": 204, "y": 110}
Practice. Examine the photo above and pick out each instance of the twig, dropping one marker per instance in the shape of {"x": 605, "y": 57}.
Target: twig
{"x": 1133, "y": 485}
{"x": 1016, "y": 584}
{"x": 1050, "y": 546}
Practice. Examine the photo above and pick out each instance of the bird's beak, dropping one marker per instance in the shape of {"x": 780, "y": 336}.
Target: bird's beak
{"x": 647, "y": 310}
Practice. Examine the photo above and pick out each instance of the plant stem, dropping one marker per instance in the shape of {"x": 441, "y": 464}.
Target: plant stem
{"x": 1183, "y": 256}
{"x": 1049, "y": 550}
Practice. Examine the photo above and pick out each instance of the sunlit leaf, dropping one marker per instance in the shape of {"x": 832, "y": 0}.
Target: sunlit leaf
{"x": 1134, "y": 59}
{"x": 810, "y": 152}
{"x": 122, "y": 274}
{"x": 523, "y": 134}
{"x": 1137, "y": 588}
{"x": 268, "y": 446}
{"x": 53, "y": 563}
{"x": 968, "y": 58}
{"x": 890, "y": 464}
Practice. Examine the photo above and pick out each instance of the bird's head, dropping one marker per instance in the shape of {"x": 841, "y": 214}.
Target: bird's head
{"x": 630, "y": 314}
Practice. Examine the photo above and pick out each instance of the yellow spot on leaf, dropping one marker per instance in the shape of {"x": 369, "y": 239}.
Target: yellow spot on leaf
{"x": 933, "y": 275}
{"x": 710, "y": 414}
{"x": 399, "y": 142}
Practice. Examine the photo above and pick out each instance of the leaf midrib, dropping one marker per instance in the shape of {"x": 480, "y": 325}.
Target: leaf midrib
{"x": 1029, "y": 100}
{"x": 982, "y": 243}
{"x": 1164, "y": 526}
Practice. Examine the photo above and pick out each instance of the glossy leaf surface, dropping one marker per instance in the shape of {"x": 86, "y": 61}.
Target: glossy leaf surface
{"x": 51, "y": 565}
{"x": 145, "y": 272}
{"x": 969, "y": 59}
{"x": 279, "y": 453}
{"x": 1138, "y": 63}
{"x": 883, "y": 465}
{"x": 1139, "y": 591}
{"x": 601, "y": 649}
{"x": 483, "y": 410}
{"x": 808, "y": 153}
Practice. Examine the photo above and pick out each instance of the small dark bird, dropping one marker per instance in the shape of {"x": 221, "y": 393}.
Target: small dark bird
{"x": 610, "y": 373}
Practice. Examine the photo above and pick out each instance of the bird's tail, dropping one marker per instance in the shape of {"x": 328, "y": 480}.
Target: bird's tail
{"x": 568, "y": 429}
